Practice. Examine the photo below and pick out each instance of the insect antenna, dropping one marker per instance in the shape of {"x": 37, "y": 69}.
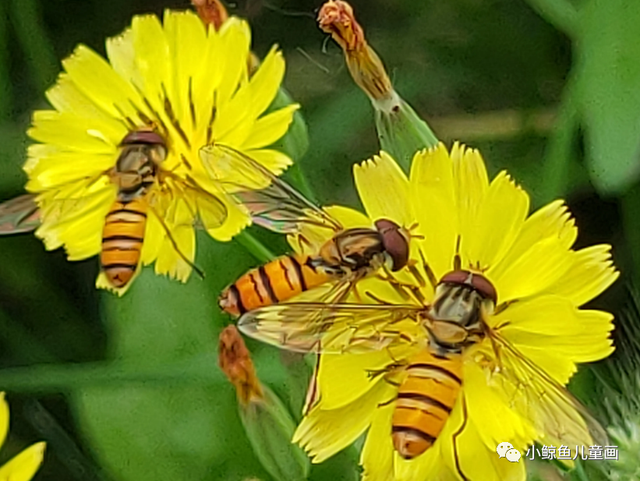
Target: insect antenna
{"x": 432, "y": 277}
{"x": 457, "y": 260}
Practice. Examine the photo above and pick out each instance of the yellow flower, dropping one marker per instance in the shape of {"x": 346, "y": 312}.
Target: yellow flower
{"x": 23, "y": 466}
{"x": 188, "y": 83}
{"x": 540, "y": 281}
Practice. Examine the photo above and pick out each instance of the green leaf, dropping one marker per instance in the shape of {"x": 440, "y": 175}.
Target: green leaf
{"x": 169, "y": 430}
{"x": 609, "y": 70}
{"x": 296, "y": 141}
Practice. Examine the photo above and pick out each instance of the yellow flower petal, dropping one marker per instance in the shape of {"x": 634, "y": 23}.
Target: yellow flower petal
{"x": 154, "y": 62}
{"x": 378, "y": 452}
{"x": 434, "y": 199}
{"x": 235, "y": 39}
{"x": 489, "y": 236}
{"x": 551, "y": 221}
{"x": 94, "y": 77}
{"x": 269, "y": 128}
{"x": 491, "y": 414}
{"x": 183, "y": 31}
{"x": 470, "y": 177}
{"x": 25, "y": 465}
{"x": 265, "y": 82}
{"x": 384, "y": 189}
{"x": 322, "y": 433}
{"x": 182, "y": 245}
{"x": 477, "y": 461}
{"x": 64, "y": 129}
{"x": 4, "y": 418}
{"x": 356, "y": 371}
{"x": 590, "y": 274}
{"x": 534, "y": 271}
{"x": 55, "y": 167}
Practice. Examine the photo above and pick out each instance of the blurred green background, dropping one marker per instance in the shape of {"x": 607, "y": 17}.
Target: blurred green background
{"x": 129, "y": 389}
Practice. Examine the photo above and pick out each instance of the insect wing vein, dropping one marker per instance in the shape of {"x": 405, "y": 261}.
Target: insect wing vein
{"x": 19, "y": 215}
{"x": 271, "y": 202}
{"x": 541, "y": 400}
{"x": 329, "y": 328}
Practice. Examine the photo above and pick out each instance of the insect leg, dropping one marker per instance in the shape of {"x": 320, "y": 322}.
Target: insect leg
{"x": 432, "y": 277}
{"x": 465, "y": 415}
{"x": 198, "y": 271}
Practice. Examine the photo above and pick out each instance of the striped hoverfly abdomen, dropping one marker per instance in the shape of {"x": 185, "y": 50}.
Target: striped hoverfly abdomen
{"x": 124, "y": 229}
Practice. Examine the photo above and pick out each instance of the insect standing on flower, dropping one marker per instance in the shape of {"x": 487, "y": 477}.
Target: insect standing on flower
{"x": 441, "y": 336}
{"x": 138, "y": 177}
{"x": 347, "y": 257}
{"x": 135, "y": 172}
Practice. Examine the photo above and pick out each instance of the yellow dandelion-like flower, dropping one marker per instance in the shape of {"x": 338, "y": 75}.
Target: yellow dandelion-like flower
{"x": 24, "y": 465}
{"x": 129, "y": 130}
{"x": 502, "y": 287}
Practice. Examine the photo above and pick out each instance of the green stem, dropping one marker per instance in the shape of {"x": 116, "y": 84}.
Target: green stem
{"x": 196, "y": 370}
{"x": 44, "y": 378}
{"x": 35, "y": 43}
{"x": 559, "y": 13}
{"x": 560, "y": 146}
{"x": 256, "y": 248}
{"x": 301, "y": 182}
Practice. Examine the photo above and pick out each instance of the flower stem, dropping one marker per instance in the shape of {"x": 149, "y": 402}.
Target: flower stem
{"x": 301, "y": 182}
{"x": 256, "y": 248}
{"x": 559, "y": 150}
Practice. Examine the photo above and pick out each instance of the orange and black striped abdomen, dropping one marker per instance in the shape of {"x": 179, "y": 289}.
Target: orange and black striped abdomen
{"x": 122, "y": 239}
{"x": 276, "y": 281}
{"x": 425, "y": 400}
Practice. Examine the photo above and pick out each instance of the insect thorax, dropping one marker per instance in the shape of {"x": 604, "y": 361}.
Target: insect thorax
{"x": 455, "y": 317}
{"x": 136, "y": 170}
{"x": 357, "y": 249}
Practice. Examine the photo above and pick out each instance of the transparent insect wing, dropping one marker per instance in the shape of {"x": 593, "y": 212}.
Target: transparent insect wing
{"x": 78, "y": 198}
{"x": 271, "y": 202}
{"x": 541, "y": 400}
{"x": 333, "y": 328}
{"x": 203, "y": 206}
{"x": 19, "y": 215}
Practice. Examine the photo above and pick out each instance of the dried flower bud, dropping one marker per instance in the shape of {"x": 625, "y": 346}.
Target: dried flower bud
{"x": 401, "y": 131}
{"x": 367, "y": 70}
{"x": 266, "y": 420}
{"x": 212, "y": 12}
{"x": 236, "y": 363}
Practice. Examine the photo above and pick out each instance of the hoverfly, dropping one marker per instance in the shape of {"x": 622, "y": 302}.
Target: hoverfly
{"x": 429, "y": 380}
{"x": 347, "y": 257}
{"x": 137, "y": 170}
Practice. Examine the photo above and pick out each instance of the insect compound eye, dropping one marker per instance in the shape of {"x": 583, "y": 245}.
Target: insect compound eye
{"x": 476, "y": 281}
{"x": 144, "y": 136}
{"x": 394, "y": 242}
